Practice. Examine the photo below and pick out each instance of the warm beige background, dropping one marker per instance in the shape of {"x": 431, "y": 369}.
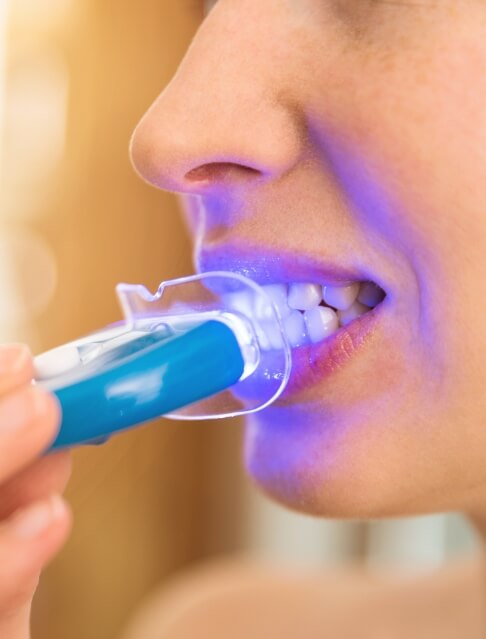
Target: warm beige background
{"x": 74, "y": 221}
{"x": 139, "y": 502}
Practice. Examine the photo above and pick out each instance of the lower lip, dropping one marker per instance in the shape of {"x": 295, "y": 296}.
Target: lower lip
{"x": 312, "y": 364}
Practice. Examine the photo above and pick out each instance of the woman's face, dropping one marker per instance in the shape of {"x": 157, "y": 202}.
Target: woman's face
{"x": 333, "y": 141}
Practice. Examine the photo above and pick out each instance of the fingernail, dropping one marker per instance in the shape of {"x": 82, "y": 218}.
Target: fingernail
{"x": 20, "y": 408}
{"x": 13, "y": 358}
{"x": 34, "y": 520}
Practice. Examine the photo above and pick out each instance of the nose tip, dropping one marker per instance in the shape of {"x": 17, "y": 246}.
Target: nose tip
{"x": 160, "y": 154}
{"x": 196, "y": 158}
{"x": 183, "y": 146}
{"x": 222, "y": 119}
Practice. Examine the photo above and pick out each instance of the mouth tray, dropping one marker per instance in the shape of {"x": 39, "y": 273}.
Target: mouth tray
{"x": 205, "y": 346}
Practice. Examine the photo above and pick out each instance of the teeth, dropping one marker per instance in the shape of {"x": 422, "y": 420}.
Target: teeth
{"x": 348, "y": 315}
{"x": 301, "y": 308}
{"x": 321, "y": 322}
{"x": 294, "y": 326}
{"x": 304, "y": 296}
{"x": 278, "y": 295}
{"x": 240, "y": 302}
{"x": 370, "y": 294}
{"x": 264, "y": 335}
{"x": 246, "y": 303}
{"x": 273, "y": 336}
{"x": 341, "y": 297}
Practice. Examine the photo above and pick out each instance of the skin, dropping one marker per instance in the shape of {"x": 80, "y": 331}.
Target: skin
{"x": 351, "y": 132}
{"x": 359, "y": 144}
{"x": 34, "y": 520}
{"x": 244, "y": 599}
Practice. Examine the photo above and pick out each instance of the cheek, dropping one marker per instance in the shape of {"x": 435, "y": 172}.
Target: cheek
{"x": 408, "y": 151}
{"x": 406, "y": 141}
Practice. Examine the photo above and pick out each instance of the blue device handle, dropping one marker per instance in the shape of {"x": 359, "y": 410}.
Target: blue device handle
{"x": 149, "y": 383}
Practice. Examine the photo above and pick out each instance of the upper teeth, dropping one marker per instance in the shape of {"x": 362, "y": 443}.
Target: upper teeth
{"x": 310, "y": 312}
{"x": 340, "y": 297}
{"x": 304, "y": 296}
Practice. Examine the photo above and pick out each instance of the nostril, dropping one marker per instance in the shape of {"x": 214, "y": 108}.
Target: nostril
{"x": 214, "y": 172}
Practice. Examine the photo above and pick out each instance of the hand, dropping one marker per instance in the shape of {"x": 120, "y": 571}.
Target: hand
{"x": 34, "y": 519}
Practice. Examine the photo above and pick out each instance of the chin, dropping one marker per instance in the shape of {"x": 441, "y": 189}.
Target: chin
{"x": 360, "y": 469}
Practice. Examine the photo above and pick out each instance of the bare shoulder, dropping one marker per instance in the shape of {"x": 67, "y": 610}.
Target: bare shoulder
{"x": 241, "y": 599}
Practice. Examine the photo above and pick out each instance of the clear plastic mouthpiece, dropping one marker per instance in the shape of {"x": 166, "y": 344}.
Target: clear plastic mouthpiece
{"x": 245, "y": 308}
{"x": 205, "y": 346}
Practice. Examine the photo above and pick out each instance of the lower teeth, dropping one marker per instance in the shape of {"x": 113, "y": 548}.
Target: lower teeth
{"x": 353, "y": 312}
{"x": 321, "y": 322}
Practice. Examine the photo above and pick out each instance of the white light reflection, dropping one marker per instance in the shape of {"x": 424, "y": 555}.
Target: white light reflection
{"x": 28, "y": 276}
{"x": 3, "y": 46}
{"x": 42, "y": 15}
{"x": 35, "y": 120}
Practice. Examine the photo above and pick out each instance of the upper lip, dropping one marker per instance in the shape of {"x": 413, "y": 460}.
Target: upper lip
{"x": 266, "y": 265}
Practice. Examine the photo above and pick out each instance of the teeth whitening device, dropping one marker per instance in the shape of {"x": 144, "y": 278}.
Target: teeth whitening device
{"x": 202, "y": 347}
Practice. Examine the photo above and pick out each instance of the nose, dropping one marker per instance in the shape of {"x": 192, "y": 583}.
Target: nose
{"x": 223, "y": 120}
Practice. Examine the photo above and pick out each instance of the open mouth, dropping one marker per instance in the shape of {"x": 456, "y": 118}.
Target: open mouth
{"x": 329, "y": 312}
{"x": 326, "y": 325}
{"x": 310, "y": 313}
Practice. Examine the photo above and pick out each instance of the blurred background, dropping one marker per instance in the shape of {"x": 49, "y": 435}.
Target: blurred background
{"x": 75, "y": 77}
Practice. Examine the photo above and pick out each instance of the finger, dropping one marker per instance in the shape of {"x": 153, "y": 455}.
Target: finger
{"x": 28, "y": 540}
{"x": 47, "y": 475}
{"x": 29, "y": 420}
{"x": 16, "y": 367}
